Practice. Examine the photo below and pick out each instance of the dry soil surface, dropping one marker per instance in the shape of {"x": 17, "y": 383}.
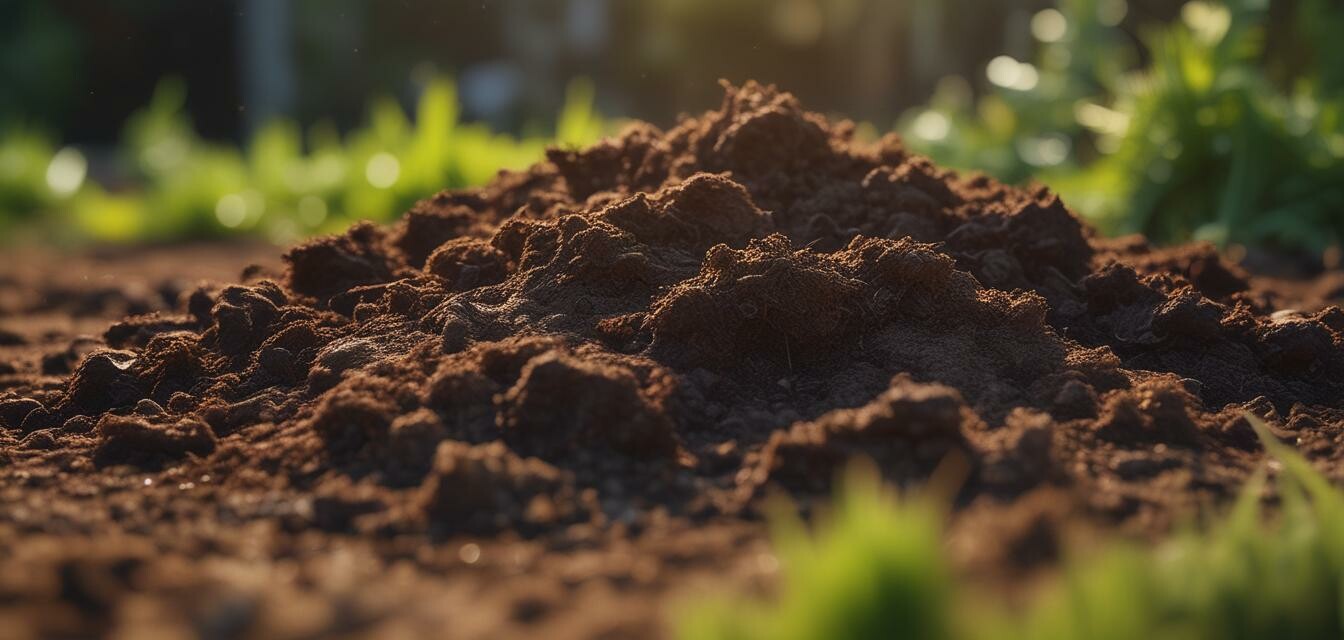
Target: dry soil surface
{"x": 554, "y": 406}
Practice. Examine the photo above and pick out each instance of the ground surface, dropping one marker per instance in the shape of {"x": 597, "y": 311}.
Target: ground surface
{"x": 555, "y": 405}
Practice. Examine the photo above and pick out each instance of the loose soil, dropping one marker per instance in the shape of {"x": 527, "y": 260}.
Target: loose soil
{"x": 555, "y": 405}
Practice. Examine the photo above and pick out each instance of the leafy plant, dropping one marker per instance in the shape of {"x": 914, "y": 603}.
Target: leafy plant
{"x": 876, "y": 569}
{"x": 284, "y": 183}
{"x": 1201, "y": 142}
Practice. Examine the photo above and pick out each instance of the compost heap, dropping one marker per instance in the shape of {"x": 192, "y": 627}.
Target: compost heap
{"x": 549, "y": 400}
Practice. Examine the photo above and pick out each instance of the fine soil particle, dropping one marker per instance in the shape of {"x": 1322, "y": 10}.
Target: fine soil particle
{"x": 554, "y": 404}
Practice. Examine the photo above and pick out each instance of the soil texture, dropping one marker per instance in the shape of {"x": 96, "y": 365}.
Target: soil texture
{"x": 556, "y": 405}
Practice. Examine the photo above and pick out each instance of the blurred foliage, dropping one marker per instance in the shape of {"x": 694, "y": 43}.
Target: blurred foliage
{"x": 39, "y": 56}
{"x": 1217, "y": 136}
{"x": 877, "y": 569}
{"x": 284, "y": 183}
{"x": 24, "y": 158}
{"x": 1215, "y": 126}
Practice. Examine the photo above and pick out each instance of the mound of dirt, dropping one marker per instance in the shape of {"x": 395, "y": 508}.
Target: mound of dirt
{"x": 558, "y": 401}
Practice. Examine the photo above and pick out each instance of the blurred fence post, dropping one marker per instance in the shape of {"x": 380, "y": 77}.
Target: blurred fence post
{"x": 267, "y": 65}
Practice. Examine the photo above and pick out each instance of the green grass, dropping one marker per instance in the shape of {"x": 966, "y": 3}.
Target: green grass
{"x": 284, "y": 183}
{"x": 876, "y": 569}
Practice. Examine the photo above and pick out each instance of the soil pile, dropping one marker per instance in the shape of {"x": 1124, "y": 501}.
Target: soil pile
{"x": 561, "y": 397}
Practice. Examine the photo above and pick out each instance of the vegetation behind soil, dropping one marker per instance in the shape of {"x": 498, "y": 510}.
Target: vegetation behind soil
{"x": 1215, "y": 135}
{"x": 167, "y": 183}
{"x": 1229, "y": 132}
{"x": 369, "y": 341}
{"x": 626, "y": 348}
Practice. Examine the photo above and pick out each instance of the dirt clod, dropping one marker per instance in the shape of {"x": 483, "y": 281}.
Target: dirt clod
{"x": 137, "y": 441}
{"x": 578, "y": 383}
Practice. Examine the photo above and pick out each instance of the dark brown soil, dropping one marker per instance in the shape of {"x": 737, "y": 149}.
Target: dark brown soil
{"x": 554, "y": 405}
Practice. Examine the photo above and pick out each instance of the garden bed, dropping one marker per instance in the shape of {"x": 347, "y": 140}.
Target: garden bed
{"x": 558, "y": 403}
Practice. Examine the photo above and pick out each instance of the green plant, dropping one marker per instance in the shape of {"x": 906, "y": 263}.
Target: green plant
{"x": 24, "y": 158}
{"x": 876, "y": 570}
{"x": 1203, "y": 142}
{"x": 283, "y": 184}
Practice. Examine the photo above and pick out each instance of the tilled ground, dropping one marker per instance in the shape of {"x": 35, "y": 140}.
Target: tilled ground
{"x": 555, "y": 405}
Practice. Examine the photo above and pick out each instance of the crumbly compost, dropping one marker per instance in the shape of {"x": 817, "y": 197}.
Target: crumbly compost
{"x": 553, "y": 404}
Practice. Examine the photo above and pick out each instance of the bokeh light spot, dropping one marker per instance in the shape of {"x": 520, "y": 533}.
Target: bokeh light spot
{"x": 1049, "y": 25}
{"x": 1112, "y": 12}
{"x": 932, "y": 126}
{"x": 66, "y": 172}
{"x": 231, "y": 210}
{"x": 382, "y": 170}
{"x": 1008, "y": 73}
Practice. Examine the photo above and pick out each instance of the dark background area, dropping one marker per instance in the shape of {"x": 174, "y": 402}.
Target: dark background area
{"x": 80, "y": 67}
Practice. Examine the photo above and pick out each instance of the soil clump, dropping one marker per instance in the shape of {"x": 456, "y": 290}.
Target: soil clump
{"x": 560, "y": 400}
